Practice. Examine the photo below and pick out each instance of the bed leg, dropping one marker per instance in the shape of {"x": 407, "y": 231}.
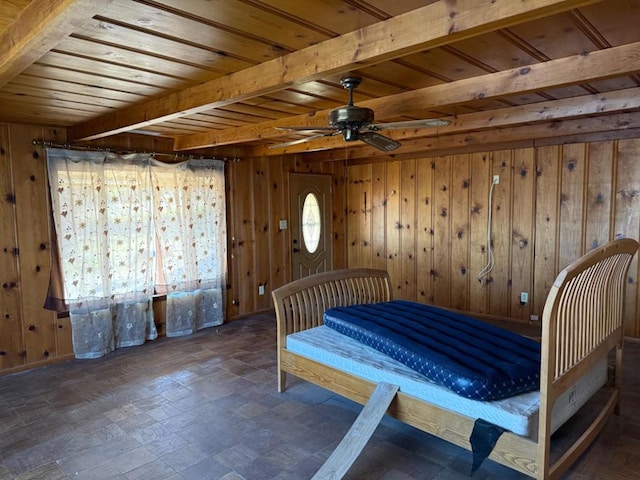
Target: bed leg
{"x": 282, "y": 380}
{"x": 617, "y": 380}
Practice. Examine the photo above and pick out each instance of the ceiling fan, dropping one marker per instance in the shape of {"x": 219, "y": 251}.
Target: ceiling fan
{"x": 356, "y": 123}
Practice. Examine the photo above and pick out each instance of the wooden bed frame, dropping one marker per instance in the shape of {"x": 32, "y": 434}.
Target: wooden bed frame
{"x": 581, "y": 324}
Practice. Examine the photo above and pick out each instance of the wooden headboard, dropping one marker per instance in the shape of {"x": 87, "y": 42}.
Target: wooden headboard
{"x": 301, "y": 304}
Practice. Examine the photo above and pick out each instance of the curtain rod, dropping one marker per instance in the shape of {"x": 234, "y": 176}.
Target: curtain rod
{"x": 176, "y": 156}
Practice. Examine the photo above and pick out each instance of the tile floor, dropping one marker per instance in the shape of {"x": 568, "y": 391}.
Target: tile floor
{"x": 206, "y": 407}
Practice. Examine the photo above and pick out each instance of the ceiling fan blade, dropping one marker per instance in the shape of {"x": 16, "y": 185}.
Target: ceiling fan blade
{"x": 303, "y": 140}
{"x": 430, "y": 122}
{"x": 307, "y": 129}
{"x": 379, "y": 141}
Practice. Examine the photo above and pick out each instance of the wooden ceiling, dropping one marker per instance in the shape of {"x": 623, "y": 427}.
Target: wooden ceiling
{"x": 226, "y": 73}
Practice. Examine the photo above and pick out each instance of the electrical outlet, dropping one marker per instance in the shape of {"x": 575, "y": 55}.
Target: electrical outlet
{"x": 260, "y": 289}
{"x": 524, "y": 298}
{"x": 534, "y": 318}
{"x": 496, "y": 179}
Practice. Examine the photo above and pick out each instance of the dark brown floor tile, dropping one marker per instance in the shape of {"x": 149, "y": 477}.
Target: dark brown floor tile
{"x": 184, "y": 457}
{"x": 155, "y": 470}
{"x": 5, "y": 474}
{"x": 207, "y": 469}
{"x": 206, "y": 406}
{"x": 50, "y": 471}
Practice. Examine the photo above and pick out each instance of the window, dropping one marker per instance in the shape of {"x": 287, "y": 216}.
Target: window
{"x": 311, "y": 224}
{"x": 129, "y": 226}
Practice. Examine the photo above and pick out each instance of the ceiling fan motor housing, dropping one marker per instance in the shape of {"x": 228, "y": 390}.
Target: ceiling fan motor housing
{"x": 350, "y": 119}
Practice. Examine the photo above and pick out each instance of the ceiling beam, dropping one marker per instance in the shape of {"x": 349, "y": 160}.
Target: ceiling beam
{"x": 550, "y": 111}
{"x": 39, "y": 28}
{"x": 427, "y": 27}
{"x": 532, "y": 135}
{"x": 597, "y": 65}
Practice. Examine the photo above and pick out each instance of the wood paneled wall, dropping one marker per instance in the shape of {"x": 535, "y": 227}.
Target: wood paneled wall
{"x": 425, "y": 221}
{"x": 422, "y": 219}
{"x": 260, "y": 253}
{"x": 30, "y": 335}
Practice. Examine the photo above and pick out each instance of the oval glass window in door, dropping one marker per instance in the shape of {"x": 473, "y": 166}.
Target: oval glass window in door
{"x": 311, "y": 224}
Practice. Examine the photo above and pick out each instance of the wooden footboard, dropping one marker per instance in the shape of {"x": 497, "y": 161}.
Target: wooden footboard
{"x": 582, "y": 323}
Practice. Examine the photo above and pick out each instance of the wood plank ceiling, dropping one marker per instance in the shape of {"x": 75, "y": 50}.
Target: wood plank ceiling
{"x": 225, "y": 73}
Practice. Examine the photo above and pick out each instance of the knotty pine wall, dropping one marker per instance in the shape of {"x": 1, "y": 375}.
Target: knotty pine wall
{"x": 425, "y": 221}
{"x": 30, "y": 335}
{"x": 260, "y": 253}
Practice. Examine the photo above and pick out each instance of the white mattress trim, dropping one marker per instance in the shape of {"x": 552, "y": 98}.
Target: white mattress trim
{"x": 518, "y": 414}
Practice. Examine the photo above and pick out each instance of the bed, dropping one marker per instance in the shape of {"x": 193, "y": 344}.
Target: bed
{"x": 581, "y": 329}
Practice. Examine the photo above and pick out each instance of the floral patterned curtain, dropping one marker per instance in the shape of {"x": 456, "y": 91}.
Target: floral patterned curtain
{"x": 191, "y": 231}
{"x": 129, "y": 226}
{"x": 103, "y": 217}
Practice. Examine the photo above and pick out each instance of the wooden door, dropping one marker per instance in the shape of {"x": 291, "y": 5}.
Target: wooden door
{"x": 310, "y": 224}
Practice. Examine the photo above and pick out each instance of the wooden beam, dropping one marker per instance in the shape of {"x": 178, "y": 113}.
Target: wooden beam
{"x": 38, "y": 29}
{"x": 470, "y": 141}
{"x": 427, "y": 27}
{"x": 553, "y": 110}
{"x": 597, "y": 65}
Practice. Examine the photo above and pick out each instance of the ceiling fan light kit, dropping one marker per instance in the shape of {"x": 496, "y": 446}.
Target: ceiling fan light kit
{"x": 357, "y": 124}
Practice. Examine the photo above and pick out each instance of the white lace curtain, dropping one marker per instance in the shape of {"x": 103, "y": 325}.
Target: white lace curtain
{"x": 191, "y": 230}
{"x": 125, "y": 226}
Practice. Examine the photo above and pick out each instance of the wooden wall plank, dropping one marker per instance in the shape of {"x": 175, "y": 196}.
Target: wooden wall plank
{"x": 364, "y": 214}
{"x": 378, "y": 220}
{"x": 11, "y": 333}
{"x": 243, "y": 240}
{"x": 424, "y": 231}
{"x": 392, "y": 214}
{"x": 408, "y": 230}
{"x": 522, "y": 225}
{"x": 261, "y": 226}
{"x": 353, "y": 228}
{"x": 599, "y": 194}
{"x": 574, "y": 170}
{"x": 548, "y": 167}
{"x": 339, "y": 194}
{"x": 279, "y": 246}
{"x": 30, "y": 181}
{"x": 500, "y": 277}
{"x": 442, "y": 231}
{"x": 627, "y": 222}
{"x": 480, "y": 179}
{"x": 460, "y": 225}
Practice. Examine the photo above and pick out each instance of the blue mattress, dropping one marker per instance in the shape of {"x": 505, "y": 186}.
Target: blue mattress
{"x": 472, "y": 358}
